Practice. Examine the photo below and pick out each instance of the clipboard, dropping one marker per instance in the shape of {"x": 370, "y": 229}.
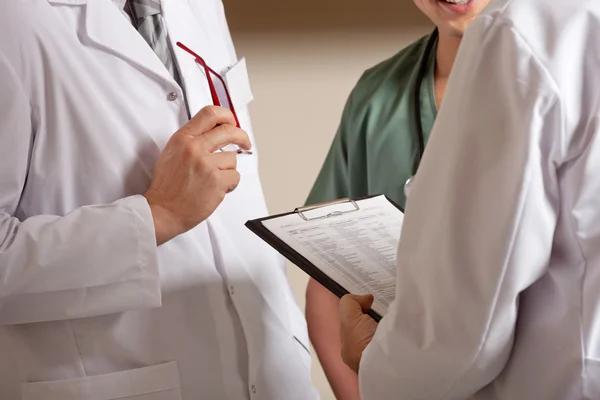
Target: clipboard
{"x": 299, "y": 260}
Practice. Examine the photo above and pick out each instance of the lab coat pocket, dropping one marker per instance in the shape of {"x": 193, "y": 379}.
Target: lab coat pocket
{"x": 247, "y": 164}
{"x": 158, "y": 382}
{"x": 241, "y": 96}
{"x": 299, "y": 330}
{"x": 239, "y": 84}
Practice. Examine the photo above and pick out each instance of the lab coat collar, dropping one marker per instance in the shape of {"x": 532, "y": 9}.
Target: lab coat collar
{"x": 115, "y": 35}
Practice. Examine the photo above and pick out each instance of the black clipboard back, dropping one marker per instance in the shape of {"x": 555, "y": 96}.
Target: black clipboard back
{"x": 257, "y": 227}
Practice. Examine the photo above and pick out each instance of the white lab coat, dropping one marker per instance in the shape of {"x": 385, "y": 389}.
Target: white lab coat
{"x": 90, "y": 309}
{"x": 498, "y": 284}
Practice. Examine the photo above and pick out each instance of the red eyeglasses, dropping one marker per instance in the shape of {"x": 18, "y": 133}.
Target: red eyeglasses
{"x": 208, "y": 71}
{"x": 213, "y": 91}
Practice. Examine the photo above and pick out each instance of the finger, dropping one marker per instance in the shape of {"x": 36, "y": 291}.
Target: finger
{"x": 356, "y": 304}
{"x": 224, "y": 160}
{"x": 350, "y": 308}
{"x": 206, "y": 119}
{"x": 365, "y": 301}
{"x": 224, "y": 135}
{"x": 230, "y": 179}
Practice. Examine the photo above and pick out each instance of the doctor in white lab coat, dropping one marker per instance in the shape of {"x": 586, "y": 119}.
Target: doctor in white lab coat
{"x": 90, "y": 307}
{"x": 498, "y": 282}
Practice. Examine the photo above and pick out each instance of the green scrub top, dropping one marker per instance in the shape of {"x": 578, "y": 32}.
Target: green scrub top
{"x": 376, "y": 146}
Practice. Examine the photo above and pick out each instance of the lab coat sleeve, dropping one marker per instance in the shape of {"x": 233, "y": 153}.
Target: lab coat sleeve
{"x": 95, "y": 260}
{"x": 479, "y": 225}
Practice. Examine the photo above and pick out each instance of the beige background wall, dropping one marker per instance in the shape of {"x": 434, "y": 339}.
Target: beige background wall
{"x": 304, "y": 57}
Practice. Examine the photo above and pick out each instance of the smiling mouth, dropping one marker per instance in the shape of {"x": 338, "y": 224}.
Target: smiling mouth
{"x": 457, "y": 2}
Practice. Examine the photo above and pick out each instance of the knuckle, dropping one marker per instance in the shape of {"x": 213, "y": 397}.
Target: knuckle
{"x": 229, "y": 130}
{"x": 209, "y": 113}
{"x": 203, "y": 164}
{"x": 189, "y": 150}
{"x": 179, "y": 139}
{"x": 185, "y": 130}
{"x": 225, "y": 132}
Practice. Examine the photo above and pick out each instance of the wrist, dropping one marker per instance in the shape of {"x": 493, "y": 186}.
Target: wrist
{"x": 165, "y": 227}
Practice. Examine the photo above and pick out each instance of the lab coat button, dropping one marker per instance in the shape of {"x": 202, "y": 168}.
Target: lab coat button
{"x": 253, "y": 389}
{"x": 172, "y": 96}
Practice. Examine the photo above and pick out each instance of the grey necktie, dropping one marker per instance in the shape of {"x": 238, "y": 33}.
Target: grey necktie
{"x": 146, "y": 17}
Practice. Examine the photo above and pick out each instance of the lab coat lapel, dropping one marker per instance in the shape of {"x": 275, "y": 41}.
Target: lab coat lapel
{"x": 108, "y": 29}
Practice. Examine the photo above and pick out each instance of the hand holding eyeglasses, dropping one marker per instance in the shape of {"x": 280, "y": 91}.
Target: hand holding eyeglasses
{"x": 191, "y": 178}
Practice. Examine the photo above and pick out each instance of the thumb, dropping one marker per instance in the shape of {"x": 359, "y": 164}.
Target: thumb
{"x": 365, "y": 301}
{"x": 356, "y": 305}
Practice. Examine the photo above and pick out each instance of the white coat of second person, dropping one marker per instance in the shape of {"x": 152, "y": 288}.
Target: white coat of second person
{"x": 498, "y": 278}
{"x": 90, "y": 307}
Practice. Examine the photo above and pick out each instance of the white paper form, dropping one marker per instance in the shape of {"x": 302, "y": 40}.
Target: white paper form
{"x": 356, "y": 249}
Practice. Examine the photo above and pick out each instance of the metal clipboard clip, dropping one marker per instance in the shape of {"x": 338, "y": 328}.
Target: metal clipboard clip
{"x": 301, "y": 210}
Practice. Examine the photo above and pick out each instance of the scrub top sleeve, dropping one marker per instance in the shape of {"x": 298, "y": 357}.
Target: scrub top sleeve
{"x": 96, "y": 260}
{"x": 333, "y": 180}
{"x": 479, "y": 224}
